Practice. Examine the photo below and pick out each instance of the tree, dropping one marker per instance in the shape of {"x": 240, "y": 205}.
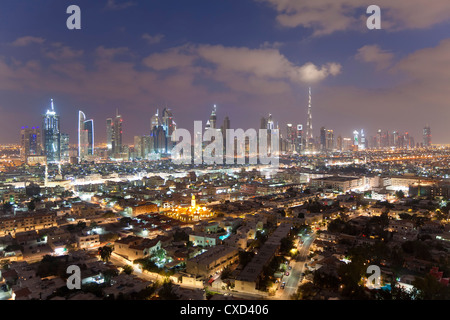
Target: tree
{"x": 128, "y": 269}
{"x": 226, "y": 273}
{"x": 429, "y": 288}
{"x": 399, "y": 194}
{"x": 167, "y": 291}
{"x": 105, "y": 252}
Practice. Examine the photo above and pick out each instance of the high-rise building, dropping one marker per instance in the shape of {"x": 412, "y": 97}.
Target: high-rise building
{"x": 30, "y": 141}
{"x": 213, "y": 118}
{"x": 362, "y": 142}
{"x": 109, "y": 135}
{"x": 263, "y": 123}
{"x": 226, "y": 125}
{"x": 291, "y": 138}
{"x": 85, "y": 136}
{"x": 339, "y": 143}
{"x": 427, "y": 136}
{"x": 117, "y": 134}
{"x": 299, "y": 142}
{"x": 163, "y": 127}
{"x": 323, "y": 139}
{"x": 65, "y": 154}
{"x": 51, "y": 135}
{"x": 155, "y": 120}
{"x": 356, "y": 139}
{"x": 329, "y": 140}
{"x": 309, "y": 136}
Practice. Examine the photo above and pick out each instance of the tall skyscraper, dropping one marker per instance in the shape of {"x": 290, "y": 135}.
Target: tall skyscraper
{"x": 213, "y": 118}
{"x": 162, "y": 128}
{"x": 356, "y": 139}
{"x": 51, "y": 135}
{"x": 309, "y": 137}
{"x": 299, "y": 143}
{"x": 225, "y": 127}
{"x": 323, "y": 139}
{"x": 329, "y": 140}
{"x": 291, "y": 137}
{"x": 65, "y": 155}
{"x": 117, "y": 134}
{"x": 263, "y": 123}
{"x": 155, "y": 120}
{"x": 109, "y": 135}
{"x": 427, "y": 136}
{"x": 85, "y": 136}
{"x": 362, "y": 142}
{"x": 30, "y": 141}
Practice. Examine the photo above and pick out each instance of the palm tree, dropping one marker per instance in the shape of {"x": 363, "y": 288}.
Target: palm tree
{"x": 105, "y": 253}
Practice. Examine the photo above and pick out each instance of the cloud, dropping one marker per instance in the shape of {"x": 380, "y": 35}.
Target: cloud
{"x": 58, "y": 51}
{"x": 25, "y": 41}
{"x": 226, "y": 64}
{"x": 110, "y": 53}
{"x": 152, "y": 39}
{"x": 114, "y": 5}
{"x": 325, "y": 17}
{"x": 178, "y": 57}
{"x": 374, "y": 54}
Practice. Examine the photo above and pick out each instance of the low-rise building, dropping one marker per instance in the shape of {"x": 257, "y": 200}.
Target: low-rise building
{"x": 212, "y": 261}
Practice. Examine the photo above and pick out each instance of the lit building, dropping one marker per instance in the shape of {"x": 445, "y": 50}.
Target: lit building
{"x": 427, "y": 136}
{"x": 190, "y": 214}
{"x": 109, "y": 134}
{"x": 30, "y": 140}
{"x": 309, "y": 137}
{"x": 65, "y": 156}
{"x": 85, "y": 136}
{"x": 299, "y": 144}
{"x": 117, "y": 134}
{"x": 51, "y": 135}
{"x": 114, "y": 135}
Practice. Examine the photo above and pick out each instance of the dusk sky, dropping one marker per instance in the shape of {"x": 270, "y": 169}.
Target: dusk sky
{"x": 249, "y": 57}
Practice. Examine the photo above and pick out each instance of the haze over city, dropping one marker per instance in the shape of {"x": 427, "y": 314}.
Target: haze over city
{"x": 250, "y": 58}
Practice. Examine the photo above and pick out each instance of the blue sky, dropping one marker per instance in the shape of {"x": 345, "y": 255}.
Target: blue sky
{"x": 250, "y": 57}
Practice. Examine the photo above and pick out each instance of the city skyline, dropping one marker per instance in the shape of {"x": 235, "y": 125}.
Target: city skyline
{"x": 377, "y": 79}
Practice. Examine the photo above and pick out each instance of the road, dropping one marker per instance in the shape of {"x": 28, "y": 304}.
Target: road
{"x": 298, "y": 266}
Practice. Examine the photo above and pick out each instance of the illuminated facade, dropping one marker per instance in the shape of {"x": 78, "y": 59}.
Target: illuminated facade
{"x": 190, "y": 214}
{"x": 51, "y": 135}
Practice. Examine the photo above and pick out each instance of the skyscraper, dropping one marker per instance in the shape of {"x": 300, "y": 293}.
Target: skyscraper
{"x": 30, "y": 141}
{"x": 299, "y": 143}
{"x": 162, "y": 128}
{"x": 117, "y": 134}
{"x": 323, "y": 139}
{"x": 309, "y": 137}
{"x": 51, "y": 135}
{"x": 427, "y": 136}
{"x": 65, "y": 155}
{"x": 85, "y": 136}
{"x": 213, "y": 118}
{"x": 109, "y": 135}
